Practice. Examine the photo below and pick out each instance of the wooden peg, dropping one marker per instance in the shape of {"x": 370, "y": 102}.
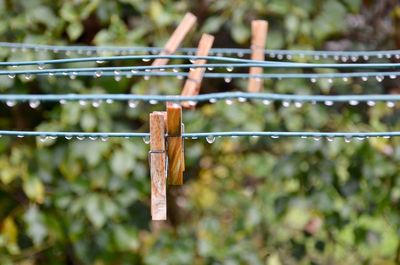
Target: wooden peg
{"x": 158, "y": 170}
{"x": 193, "y": 82}
{"x": 176, "y": 38}
{"x": 176, "y": 160}
{"x": 259, "y": 31}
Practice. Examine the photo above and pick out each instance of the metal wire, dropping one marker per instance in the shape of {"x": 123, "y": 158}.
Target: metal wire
{"x": 56, "y": 48}
{"x": 241, "y": 96}
{"x": 202, "y": 134}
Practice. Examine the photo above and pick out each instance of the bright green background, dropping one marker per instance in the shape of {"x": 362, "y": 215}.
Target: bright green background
{"x": 245, "y": 201}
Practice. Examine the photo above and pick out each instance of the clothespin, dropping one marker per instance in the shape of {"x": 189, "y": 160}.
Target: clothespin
{"x": 176, "y": 160}
{"x": 193, "y": 82}
{"x": 176, "y": 38}
{"x": 158, "y": 164}
{"x": 259, "y": 31}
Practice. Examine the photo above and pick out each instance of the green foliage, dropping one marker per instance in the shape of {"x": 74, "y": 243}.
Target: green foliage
{"x": 245, "y": 201}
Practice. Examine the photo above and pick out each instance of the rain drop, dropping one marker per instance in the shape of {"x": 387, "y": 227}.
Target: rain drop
{"x": 328, "y": 102}
{"x": 97, "y": 74}
{"x": 62, "y": 101}
{"x": 229, "y": 69}
{"x": 109, "y": 101}
{"x": 392, "y": 76}
{"x": 210, "y": 68}
{"x": 96, "y": 103}
{"x": 80, "y": 138}
{"x": 146, "y": 59}
{"x": 28, "y": 76}
{"x": 371, "y": 103}
{"x": 390, "y": 104}
{"x": 345, "y": 79}
{"x": 227, "y": 79}
{"x": 12, "y": 76}
{"x": 146, "y": 77}
{"x": 117, "y": 78}
{"x": 228, "y": 101}
{"x": 146, "y": 139}
{"x": 104, "y": 138}
{"x": 347, "y": 139}
{"x": 379, "y": 78}
{"x": 317, "y": 138}
{"x": 82, "y": 102}
{"x": 34, "y": 104}
{"x": 41, "y": 66}
{"x": 241, "y": 99}
{"x": 20, "y": 136}
{"x": 266, "y": 102}
{"x": 298, "y": 104}
{"x": 274, "y": 136}
{"x": 117, "y": 72}
{"x": 353, "y": 102}
{"x": 364, "y": 78}
{"x": 132, "y": 104}
{"x": 213, "y": 100}
{"x": 100, "y": 61}
{"x": 73, "y": 75}
{"x": 210, "y": 139}
{"x": 43, "y": 138}
{"x": 11, "y": 103}
{"x": 313, "y": 80}
{"x": 330, "y": 138}
{"x": 285, "y": 104}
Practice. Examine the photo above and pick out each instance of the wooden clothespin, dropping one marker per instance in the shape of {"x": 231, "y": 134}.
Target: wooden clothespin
{"x": 259, "y": 31}
{"x": 193, "y": 82}
{"x": 176, "y": 160}
{"x": 158, "y": 164}
{"x": 176, "y": 38}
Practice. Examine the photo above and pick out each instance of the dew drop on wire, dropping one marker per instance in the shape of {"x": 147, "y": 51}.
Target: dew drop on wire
{"x": 28, "y": 77}
{"x": 62, "y": 101}
{"x": 80, "y": 138}
{"x": 286, "y": 104}
{"x": 41, "y": 66}
{"x": 210, "y": 68}
{"x": 82, "y": 102}
{"x": 34, "y": 104}
{"x": 347, "y": 139}
{"x": 229, "y": 68}
{"x": 371, "y": 103}
{"x": 11, "y": 103}
{"x": 132, "y": 104}
{"x": 228, "y": 101}
{"x": 20, "y": 136}
{"x": 274, "y": 136}
{"x": 353, "y": 102}
{"x": 93, "y": 138}
{"x": 153, "y": 101}
{"x": 43, "y": 138}
{"x": 298, "y": 104}
{"x": 390, "y": 104}
{"x": 317, "y": 138}
{"x": 227, "y": 79}
{"x": 213, "y": 100}
{"x": 104, "y": 138}
{"x": 146, "y": 59}
{"x": 98, "y": 74}
{"x": 266, "y": 102}
{"x": 328, "y": 102}
{"x": 210, "y": 139}
{"x": 330, "y": 138}
{"x": 146, "y": 139}
{"x": 12, "y": 76}
{"x": 96, "y": 103}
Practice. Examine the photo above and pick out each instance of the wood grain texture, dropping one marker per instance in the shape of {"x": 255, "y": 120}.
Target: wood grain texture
{"x": 176, "y": 162}
{"x": 259, "y": 31}
{"x": 176, "y": 38}
{"x": 193, "y": 82}
{"x": 158, "y": 166}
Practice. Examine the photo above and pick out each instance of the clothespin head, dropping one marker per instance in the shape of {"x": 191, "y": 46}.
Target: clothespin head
{"x": 158, "y": 164}
{"x": 176, "y": 160}
{"x": 193, "y": 82}
{"x": 176, "y": 38}
{"x": 259, "y": 31}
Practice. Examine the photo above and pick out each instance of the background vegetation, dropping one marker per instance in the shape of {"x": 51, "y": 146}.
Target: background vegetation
{"x": 245, "y": 201}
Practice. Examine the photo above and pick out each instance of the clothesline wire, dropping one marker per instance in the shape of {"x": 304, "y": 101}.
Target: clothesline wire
{"x": 201, "y": 134}
{"x": 192, "y": 58}
{"x": 199, "y": 98}
{"x": 39, "y": 47}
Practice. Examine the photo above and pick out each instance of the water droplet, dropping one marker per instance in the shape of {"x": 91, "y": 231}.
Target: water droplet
{"x": 347, "y": 139}
{"x": 364, "y": 78}
{"x": 153, "y": 101}
{"x": 390, "y": 104}
{"x": 109, "y": 101}
{"x": 345, "y": 79}
{"x": 34, "y": 104}
{"x": 388, "y": 56}
{"x": 274, "y": 136}
{"x": 52, "y": 137}
{"x": 11, "y": 103}
{"x": 354, "y": 58}
{"x": 82, "y": 102}
{"x": 227, "y": 79}
{"x": 104, "y": 138}
{"x": 117, "y": 72}
{"x": 336, "y": 57}
{"x": 73, "y": 75}
{"x": 344, "y": 58}
{"x": 298, "y": 104}
{"x": 210, "y": 68}
{"x": 62, "y": 101}
{"x": 132, "y": 103}
{"x": 117, "y": 78}
{"x": 146, "y": 77}
{"x": 313, "y": 80}
{"x": 97, "y": 74}
{"x": 353, "y": 102}
{"x": 229, "y": 69}
{"x": 266, "y": 102}
{"x": 330, "y": 81}
{"x": 96, "y": 103}
{"x": 241, "y": 99}
{"x": 317, "y": 138}
{"x": 240, "y": 54}
{"x": 146, "y": 59}
{"x": 20, "y": 136}
{"x": 380, "y": 56}
{"x": 304, "y": 137}
{"x": 175, "y": 70}
{"x": 330, "y": 138}
{"x": 179, "y": 77}
{"x": 146, "y": 139}
{"x": 366, "y": 57}
{"x": 41, "y": 66}
{"x": 328, "y": 102}
{"x": 133, "y": 71}
{"x": 228, "y": 101}
{"x": 379, "y": 78}
{"x": 360, "y": 138}
{"x": 210, "y": 139}
{"x": 80, "y": 138}
{"x": 289, "y": 57}
{"x": 12, "y": 76}
{"x": 213, "y": 100}
{"x": 286, "y": 104}
{"x": 392, "y": 76}
{"x": 28, "y": 76}
{"x": 43, "y": 138}
{"x": 279, "y": 56}
{"x": 100, "y": 61}
{"x": 371, "y": 103}
{"x": 316, "y": 57}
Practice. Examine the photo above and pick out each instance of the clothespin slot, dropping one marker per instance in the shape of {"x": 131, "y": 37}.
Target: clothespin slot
{"x": 193, "y": 82}
{"x": 175, "y": 147}
{"x": 176, "y": 38}
{"x": 259, "y": 32}
{"x": 158, "y": 166}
